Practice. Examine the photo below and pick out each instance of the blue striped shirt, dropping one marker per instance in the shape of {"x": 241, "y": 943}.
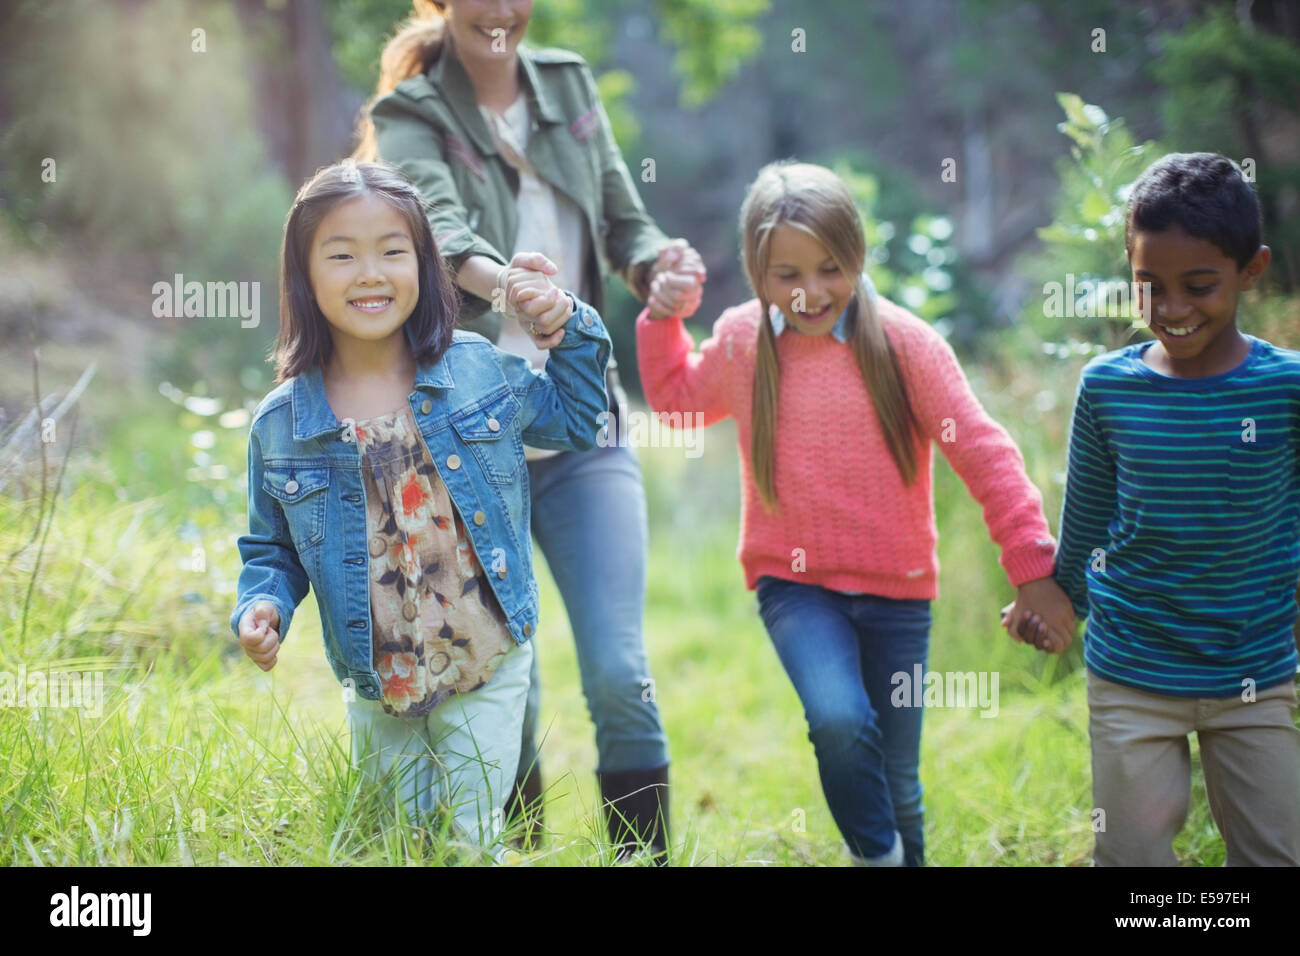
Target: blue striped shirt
{"x": 1180, "y": 530}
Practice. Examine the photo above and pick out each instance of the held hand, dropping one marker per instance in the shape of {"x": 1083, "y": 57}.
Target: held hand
{"x": 676, "y": 281}
{"x": 675, "y": 293}
{"x": 259, "y": 634}
{"x": 544, "y": 314}
{"x": 527, "y": 270}
{"x": 680, "y": 294}
{"x": 678, "y": 256}
{"x": 1041, "y": 615}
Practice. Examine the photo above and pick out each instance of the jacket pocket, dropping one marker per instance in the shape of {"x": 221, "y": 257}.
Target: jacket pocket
{"x": 491, "y": 430}
{"x": 302, "y": 498}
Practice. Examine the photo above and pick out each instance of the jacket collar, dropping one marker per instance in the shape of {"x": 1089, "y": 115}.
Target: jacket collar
{"x": 312, "y": 415}
{"x": 449, "y": 76}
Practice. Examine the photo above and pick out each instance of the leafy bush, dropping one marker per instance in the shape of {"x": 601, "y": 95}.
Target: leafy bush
{"x": 910, "y": 255}
{"x": 1085, "y": 241}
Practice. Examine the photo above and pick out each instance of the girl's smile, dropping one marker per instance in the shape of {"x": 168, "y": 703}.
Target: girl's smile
{"x": 364, "y": 271}
{"x": 805, "y": 282}
{"x": 372, "y": 306}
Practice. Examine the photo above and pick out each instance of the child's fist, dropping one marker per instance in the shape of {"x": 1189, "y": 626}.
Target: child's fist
{"x": 259, "y": 634}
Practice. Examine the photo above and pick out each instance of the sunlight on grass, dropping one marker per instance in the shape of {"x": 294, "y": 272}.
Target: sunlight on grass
{"x": 196, "y": 757}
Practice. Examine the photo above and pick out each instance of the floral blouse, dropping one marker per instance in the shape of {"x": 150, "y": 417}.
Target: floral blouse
{"x": 437, "y": 627}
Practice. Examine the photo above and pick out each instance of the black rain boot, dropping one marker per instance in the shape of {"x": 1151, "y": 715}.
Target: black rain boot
{"x": 635, "y": 806}
{"x": 526, "y": 803}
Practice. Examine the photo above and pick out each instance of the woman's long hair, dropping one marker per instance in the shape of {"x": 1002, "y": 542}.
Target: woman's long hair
{"x": 815, "y": 200}
{"x": 304, "y": 337}
{"x": 409, "y": 52}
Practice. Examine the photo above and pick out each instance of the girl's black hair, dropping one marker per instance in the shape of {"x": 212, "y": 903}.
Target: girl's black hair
{"x": 1204, "y": 194}
{"x": 304, "y": 339}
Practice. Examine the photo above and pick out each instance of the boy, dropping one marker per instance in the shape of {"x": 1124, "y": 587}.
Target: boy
{"x": 1179, "y": 536}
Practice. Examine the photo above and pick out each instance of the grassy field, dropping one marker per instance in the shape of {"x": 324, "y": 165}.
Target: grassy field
{"x": 197, "y": 757}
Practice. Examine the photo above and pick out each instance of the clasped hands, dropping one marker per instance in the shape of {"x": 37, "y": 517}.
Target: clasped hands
{"x": 676, "y": 281}
{"x": 1041, "y": 615}
{"x": 529, "y": 295}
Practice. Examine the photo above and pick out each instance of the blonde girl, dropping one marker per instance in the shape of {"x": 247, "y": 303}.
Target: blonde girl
{"x": 838, "y": 395}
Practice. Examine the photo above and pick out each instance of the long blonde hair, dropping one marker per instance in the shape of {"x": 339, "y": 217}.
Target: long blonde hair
{"x": 815, "y": 200}
{"x": 409, "y": 52}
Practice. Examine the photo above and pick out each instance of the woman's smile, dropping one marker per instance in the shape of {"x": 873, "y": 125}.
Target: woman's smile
{"x": 491, "y": 32}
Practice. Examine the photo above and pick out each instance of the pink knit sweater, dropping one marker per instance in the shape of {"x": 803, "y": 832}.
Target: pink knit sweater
{"x": 846, "y": 521}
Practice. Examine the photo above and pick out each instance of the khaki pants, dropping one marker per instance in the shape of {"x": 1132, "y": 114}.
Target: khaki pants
{"x": 1141, "y": 773}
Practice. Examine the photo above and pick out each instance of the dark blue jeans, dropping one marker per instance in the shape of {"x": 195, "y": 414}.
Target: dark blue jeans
{"x": 841, "y": 652}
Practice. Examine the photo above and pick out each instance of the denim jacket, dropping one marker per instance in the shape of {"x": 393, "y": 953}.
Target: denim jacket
{"x": 475, "y": 407}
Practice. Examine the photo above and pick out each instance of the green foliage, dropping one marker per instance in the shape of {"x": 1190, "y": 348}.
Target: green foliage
{"x": 616, "y": 88}
{"x": 584, "y": 26}
{"x": 198, "y": 758}
{"x": 1229, "y": 84}
{"x": 1217, "y": 67}
{"x": 170, "y": 186}
{"x": 713, "y": 39}
{"x": 153, "y": 159}
{"x": 910, "y": 255}
{"x": 1085, "y": 239}
{"x": 358, "y": 30}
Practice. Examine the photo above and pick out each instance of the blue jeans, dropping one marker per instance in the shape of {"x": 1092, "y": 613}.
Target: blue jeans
{"x": 589, "y": 519}
{"x": 840, "y": 652}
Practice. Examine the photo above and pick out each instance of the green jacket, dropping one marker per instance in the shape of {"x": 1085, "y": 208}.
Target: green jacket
{"x": 430, "y": 127}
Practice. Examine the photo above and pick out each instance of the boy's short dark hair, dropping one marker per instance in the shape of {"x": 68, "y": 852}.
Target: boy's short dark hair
{"x": 1204, "y": 194}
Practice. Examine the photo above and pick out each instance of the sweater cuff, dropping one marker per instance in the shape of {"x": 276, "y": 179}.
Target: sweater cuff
{"x": 669, "y": 328}
{"x": 1030, "y": 563}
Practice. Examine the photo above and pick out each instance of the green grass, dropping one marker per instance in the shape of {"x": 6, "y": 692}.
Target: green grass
{"x": 200, "y": 758}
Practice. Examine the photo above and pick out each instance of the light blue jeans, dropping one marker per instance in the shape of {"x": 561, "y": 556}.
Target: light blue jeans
{"x": 589, "y": 519}
{"x": 462, "y": 753}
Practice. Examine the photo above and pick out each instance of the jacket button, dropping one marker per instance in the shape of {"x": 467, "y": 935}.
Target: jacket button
{"x": 291, "y": 487}
{"x": 494, "y": 425}
{"x": 426, "y": 407}
{"x": 479, "y": 517}
{"x": 501, "y": 573}
{"x": 453, "y": 462}
{"x": 586, "y": 320}
{"x": 528, "y": 630}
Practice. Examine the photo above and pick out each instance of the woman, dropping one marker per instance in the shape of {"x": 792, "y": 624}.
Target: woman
{"x": 513, "y": 151}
